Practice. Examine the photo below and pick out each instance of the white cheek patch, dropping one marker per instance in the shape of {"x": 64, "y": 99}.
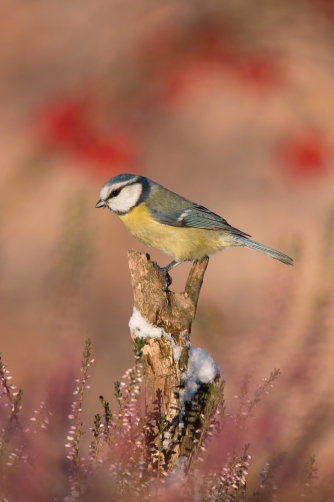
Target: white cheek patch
{"x": 127, "y": 199}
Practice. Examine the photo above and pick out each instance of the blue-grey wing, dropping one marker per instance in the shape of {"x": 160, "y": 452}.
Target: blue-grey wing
{"x": 196, "y": 216}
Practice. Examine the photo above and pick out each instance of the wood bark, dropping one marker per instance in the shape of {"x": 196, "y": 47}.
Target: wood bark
{"x": 182, "y": 431}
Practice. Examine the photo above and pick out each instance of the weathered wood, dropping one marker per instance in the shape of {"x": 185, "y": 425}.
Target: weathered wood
{"x": 174, "y": 313}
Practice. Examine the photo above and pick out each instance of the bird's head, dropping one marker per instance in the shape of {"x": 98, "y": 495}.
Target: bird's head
{"x": 123, "y": 192}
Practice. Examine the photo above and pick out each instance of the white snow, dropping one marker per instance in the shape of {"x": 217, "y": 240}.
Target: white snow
{"x": 201, "y": 366}
{"x": 177, "y": 349}
{"x": 201, "y": 369}
{"x": 141, "y": 328}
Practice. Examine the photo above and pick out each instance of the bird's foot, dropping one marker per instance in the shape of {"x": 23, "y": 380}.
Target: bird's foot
{"x": 167, "y": 280}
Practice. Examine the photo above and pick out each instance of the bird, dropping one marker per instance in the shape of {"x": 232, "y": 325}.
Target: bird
{"x": 173, "y": 224}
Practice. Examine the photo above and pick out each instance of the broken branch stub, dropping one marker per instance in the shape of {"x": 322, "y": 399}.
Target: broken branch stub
{"x": 172, "y": 415}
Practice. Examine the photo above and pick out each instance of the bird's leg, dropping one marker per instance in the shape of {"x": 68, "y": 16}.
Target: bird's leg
{"x": 165, "y": 275}
{"x": 168, "y": 267}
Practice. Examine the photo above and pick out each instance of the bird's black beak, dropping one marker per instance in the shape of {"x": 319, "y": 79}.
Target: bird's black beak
{"x": 100, "y": 203}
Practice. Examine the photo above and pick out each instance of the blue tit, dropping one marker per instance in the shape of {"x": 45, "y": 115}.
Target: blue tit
{"x": 168, "y": 222}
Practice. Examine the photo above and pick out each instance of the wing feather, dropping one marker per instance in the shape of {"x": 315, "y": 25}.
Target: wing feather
{"x": 196, "y": 216}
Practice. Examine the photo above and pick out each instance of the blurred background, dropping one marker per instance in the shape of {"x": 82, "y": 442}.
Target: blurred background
{"x": 228, "y": 103}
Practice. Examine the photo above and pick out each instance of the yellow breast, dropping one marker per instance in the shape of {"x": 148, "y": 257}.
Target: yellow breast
{"x": 181, "y": 242}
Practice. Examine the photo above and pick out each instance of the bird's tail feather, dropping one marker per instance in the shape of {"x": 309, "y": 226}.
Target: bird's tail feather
{"x": 243, "y": 241}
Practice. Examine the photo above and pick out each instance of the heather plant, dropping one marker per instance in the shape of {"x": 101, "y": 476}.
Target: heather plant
{"x": 14, "y": 398}
{"x": 126, "y": 460}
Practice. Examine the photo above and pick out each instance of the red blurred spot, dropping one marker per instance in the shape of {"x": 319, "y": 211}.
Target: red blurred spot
{"x": 69, "y": 125}
{"x": 305, "y": 157}
{"x": 261, "y": 72}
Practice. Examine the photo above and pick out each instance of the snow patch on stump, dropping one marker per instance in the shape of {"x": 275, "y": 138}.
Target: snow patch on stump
{"x": 141, "y": 328}
{"x": 201, "y": 370}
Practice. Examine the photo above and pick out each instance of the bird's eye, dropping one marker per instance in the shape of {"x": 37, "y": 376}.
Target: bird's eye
{"x": 114, "y": 193}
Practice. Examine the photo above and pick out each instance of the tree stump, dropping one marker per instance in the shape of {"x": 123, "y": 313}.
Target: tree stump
{"x": 183, "y": 386}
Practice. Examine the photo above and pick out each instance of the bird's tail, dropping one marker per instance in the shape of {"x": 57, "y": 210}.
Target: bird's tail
{"x": 243, "y": 241}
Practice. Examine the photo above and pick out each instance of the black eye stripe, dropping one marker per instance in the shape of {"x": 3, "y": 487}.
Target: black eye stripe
{"x": 114, "y": 193}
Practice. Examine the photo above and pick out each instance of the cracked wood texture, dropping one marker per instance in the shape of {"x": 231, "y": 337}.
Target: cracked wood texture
{"x": 174, "y": 312}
